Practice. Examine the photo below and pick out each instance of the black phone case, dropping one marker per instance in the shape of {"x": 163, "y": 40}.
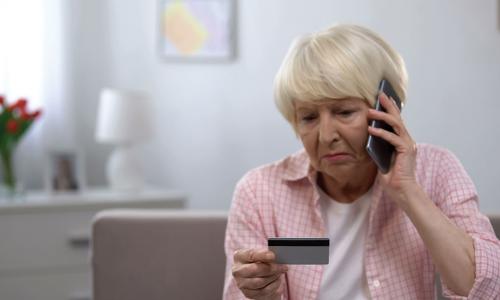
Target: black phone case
{"x": 379, "y": 149}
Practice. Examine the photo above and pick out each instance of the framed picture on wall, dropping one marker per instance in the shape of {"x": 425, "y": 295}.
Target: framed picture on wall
{"x": 194, "y": 30}
{"x": 64, "y": 171}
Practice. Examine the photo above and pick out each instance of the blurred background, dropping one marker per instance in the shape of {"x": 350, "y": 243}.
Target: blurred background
{"x": 93, "y": 90}
{"x": 215, "y": 120}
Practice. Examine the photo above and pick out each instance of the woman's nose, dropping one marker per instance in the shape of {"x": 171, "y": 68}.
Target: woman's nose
{"x": 328, "y": 129}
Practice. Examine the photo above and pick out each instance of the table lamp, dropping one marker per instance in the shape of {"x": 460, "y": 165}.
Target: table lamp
{"x": 124, "y": 120}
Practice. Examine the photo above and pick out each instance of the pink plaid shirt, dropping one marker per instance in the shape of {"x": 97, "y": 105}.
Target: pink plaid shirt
{"x": 280, "y": 200}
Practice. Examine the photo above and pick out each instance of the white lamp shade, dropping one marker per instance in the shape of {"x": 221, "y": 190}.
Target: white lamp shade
{"x": 124, "y": 117}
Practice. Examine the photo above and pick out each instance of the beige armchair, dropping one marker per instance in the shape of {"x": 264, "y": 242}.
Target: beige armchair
{"x": 153, "y": 255}
{"x": 495, "y": 221}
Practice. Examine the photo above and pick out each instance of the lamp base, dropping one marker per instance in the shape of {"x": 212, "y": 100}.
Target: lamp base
{"x": 124, "y": 169}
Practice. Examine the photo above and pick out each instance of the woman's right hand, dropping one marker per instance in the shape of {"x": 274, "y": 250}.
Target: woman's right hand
{"x": 257, "y": 275}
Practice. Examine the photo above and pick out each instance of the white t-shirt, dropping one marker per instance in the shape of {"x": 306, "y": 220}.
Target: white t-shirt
{"x": 347, "y": 224}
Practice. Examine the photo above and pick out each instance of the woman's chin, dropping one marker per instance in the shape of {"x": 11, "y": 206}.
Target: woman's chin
{"x": 340, "y": 170}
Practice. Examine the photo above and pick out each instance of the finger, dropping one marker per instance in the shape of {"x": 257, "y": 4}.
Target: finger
{"x": 254, "y": 255}
{"x": 257, "y": 270}
{"x": 395, "y": 122}
{"x": 273, "y": 288}
{"x": 390, "y": 137}
{"x": 389, "y": 104}
{"x": 257, "y": 283}
{"x": 264, "y": 293}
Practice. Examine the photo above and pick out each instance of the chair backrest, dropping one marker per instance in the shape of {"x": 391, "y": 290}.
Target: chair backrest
{"x": 145, "y": 254}
{"x": 495, "y": 221}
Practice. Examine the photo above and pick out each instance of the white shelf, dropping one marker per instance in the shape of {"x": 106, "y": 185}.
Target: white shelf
{"x": 44, "y": 249}
{"x": 95, "y": 198}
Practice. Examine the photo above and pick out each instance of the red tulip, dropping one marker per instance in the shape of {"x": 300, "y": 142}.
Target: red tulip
{"x": 2, "y": 100}
{"x": 12, "y": 126}
{"x": 36, "y": 114}
{"x": 21, "y": 104}
{"x": 24, "y": 115}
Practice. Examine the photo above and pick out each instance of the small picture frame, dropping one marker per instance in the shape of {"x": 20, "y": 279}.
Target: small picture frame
{"x": 197, "y": 30}
{"x": 64, "y": 171}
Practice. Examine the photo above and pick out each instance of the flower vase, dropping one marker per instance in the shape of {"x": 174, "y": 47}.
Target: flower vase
{"x": 15, "y": 120}
{"x": 8, "y": 188}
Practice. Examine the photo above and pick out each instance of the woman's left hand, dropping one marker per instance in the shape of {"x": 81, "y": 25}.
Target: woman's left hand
{"x": 401, "y": 176}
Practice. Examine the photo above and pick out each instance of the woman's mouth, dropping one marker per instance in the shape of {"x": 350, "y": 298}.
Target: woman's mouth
{"x": 337, "y": 157}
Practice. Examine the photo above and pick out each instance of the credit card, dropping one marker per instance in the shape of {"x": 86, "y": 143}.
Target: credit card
{"x": 300, "y": 251}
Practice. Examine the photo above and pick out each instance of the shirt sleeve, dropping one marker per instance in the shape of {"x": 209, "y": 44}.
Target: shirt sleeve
{"x": 457, "y": 197}
{"x": 244, "y": 230}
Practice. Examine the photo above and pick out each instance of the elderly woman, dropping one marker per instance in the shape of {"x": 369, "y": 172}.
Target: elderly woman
{"x": 389, "y": 233}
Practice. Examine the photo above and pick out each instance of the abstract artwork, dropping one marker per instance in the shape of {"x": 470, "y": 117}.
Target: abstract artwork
{"x": 197, "y": 29}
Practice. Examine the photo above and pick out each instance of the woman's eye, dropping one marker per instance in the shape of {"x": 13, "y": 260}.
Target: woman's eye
{"x": 308, "y": 118}
{"x": 346, "y": 113}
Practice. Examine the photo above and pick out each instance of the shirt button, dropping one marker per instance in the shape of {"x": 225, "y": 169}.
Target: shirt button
{"x": 376, "y": 283}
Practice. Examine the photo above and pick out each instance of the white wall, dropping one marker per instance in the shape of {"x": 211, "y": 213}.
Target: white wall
{"x": 216, "y": 121}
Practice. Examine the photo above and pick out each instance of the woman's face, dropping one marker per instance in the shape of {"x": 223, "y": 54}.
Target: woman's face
{"x": 334, "y": 133}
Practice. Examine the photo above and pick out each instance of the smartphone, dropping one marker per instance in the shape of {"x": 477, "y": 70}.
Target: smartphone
{"x": 300, "y": 251}
{"x": 380, "y": 150}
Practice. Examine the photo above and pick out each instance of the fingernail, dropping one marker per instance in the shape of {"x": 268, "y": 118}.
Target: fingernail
{"x": 269, "y": 256}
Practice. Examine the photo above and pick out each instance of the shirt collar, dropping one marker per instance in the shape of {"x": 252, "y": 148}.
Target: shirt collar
{"x": 298, "y": 167}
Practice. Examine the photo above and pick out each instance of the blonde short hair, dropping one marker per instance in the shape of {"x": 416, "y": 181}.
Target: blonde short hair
{"x": 339, "y": 62}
